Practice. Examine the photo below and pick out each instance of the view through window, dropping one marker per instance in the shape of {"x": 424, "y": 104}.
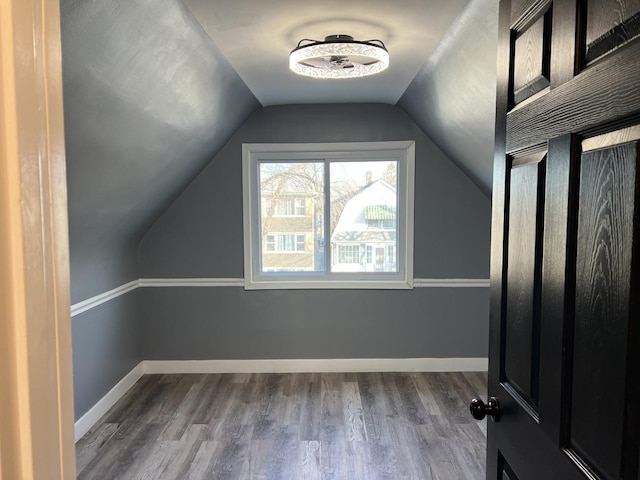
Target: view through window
{"x": 345, "y": 218}
{"x": 362, "y": 208}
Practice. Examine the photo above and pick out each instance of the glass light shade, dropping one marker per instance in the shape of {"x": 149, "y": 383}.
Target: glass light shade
{"x": 339, "y": 59}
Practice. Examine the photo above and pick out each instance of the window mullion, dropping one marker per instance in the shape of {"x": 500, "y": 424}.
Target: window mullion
{"x": 327, "y": 217}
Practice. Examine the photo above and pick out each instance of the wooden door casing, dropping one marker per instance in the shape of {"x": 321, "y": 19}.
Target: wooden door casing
{"x": 36, "y": 380}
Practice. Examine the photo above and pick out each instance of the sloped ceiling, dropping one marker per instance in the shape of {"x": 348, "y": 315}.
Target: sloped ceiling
{"x": 150, "y": 98}
{"x": 452, "y": 98}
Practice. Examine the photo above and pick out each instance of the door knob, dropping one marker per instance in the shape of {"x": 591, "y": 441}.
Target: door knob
{"x": 479, "y": 409}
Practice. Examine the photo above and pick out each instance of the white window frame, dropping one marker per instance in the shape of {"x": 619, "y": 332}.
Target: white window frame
{"x": 401, "y": 151}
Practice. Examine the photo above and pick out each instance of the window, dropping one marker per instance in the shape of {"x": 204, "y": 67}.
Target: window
{"x": 288, "y": 207}
{"x": 348, "y": 254}
{"x": 285, "y": 243}
{"x": 328, "y": 215}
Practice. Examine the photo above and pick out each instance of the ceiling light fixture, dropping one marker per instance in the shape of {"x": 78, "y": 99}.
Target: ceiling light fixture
{"x": 338, "y": 56}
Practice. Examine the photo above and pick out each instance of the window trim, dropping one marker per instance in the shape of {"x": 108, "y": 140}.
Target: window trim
{"x": 401, "y": 151}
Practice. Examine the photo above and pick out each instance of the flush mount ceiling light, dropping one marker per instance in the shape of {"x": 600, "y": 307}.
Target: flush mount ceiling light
{"x": 338, "y": 56}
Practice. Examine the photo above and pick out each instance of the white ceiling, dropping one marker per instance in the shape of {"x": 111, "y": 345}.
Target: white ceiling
{"x": 256, "y": 37}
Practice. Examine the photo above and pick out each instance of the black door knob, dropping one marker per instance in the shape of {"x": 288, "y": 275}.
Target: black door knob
{"x": 479, "y": 409}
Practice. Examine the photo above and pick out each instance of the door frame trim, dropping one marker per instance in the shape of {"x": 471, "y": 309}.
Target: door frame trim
{"x": 36, "y": 383}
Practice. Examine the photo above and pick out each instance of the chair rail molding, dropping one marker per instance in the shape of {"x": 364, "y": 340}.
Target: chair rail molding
{"x": 88, "y": 304}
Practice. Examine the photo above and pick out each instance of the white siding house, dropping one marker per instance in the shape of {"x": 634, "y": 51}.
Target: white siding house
{"x": 364, "y": 239}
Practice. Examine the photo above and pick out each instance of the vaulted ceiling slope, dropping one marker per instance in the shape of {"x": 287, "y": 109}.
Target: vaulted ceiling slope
{"x": 442, "y": 72}
{"x": 149, "y": 100}
{"x": 452, "y": 98}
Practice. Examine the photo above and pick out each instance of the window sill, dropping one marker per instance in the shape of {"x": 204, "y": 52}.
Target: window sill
{"x": 271, "y": 284}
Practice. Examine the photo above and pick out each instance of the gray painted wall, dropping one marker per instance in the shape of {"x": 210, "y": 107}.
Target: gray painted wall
{"x": 200, "y": 235}
{"x": 452, "y": 98}
{"x": 148, "y": 101}
{"x": 231, "y": 323}
{"x": 106, "y": 346}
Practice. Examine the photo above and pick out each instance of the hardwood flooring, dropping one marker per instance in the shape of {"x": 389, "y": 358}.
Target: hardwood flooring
{"x": 351, "y": 426}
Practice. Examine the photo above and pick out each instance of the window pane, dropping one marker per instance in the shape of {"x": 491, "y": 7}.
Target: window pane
{"x": 292, "y": 216}
{"x": 300, "y": 243}
{"x": 284, "y": 206}
{"x": 363, "y": 216}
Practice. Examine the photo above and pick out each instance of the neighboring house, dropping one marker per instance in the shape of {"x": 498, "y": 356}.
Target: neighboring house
{"x": 288, "y": 231}
{"x": 364, "y": 239}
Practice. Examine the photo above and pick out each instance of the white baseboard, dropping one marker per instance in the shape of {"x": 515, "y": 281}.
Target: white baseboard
{"x": 96, "y": 412}
{"x": 90, "y": 418}
{"x": 318, "y": 365}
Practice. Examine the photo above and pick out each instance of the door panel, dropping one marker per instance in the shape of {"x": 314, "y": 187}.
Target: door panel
{"x": 521, "y": 354}
{"x": 603, "y": 279}
{"x": 531, "y": 59}
{"x": 610, "y": 23}
{"x": 565, "y": 324}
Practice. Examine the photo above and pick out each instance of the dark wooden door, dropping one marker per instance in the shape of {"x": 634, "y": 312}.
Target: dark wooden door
{"x": 565, "y": 324}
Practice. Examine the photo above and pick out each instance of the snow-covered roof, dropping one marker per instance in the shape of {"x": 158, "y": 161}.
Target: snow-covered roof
{"x": 377, "y": 201}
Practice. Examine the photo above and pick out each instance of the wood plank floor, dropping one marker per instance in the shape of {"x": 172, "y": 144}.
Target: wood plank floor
{"x": 351, "y": 426}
